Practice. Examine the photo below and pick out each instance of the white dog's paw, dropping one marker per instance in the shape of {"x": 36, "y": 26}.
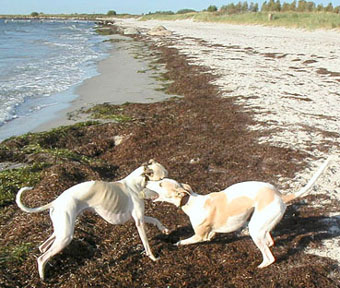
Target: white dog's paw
{"x": 179, "y": 243}
{"x": 153, "y": 258}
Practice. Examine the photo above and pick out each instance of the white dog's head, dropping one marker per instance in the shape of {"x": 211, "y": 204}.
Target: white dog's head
{"x": 170, "y": 191}
{"x": 153, "y": 171}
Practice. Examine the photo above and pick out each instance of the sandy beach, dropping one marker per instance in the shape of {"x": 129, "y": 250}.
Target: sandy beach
{"x": 257, "y": 103}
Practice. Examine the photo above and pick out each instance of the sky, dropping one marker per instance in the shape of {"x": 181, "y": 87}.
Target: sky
{"x": 125, "y": 6}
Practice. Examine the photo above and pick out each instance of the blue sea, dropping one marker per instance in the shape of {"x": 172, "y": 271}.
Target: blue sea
{"x": 41, "y": 62}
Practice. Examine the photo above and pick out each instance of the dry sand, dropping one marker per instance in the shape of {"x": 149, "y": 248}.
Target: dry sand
{"x": 289, "y": 77}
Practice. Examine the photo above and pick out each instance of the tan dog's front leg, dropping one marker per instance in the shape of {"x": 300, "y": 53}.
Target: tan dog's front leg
{"x": 192, "y": 240}
{"x": 156, "y": 222}
{"x": 141, "y": 231}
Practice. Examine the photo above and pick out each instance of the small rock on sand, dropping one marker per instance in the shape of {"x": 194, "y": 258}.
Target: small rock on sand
{"x": 159, "y": 31}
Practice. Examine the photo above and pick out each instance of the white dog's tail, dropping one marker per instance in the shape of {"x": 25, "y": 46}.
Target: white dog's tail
{"x": 27, "y": 209}
{"x": 289, "y": 197}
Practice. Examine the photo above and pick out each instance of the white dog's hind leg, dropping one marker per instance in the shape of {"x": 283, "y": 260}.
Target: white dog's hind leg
{"x": 47, "y": 244}
{"x": 156, "y": 222}
{"x": 63, "y": 225}
{"x": 58, "y": 245}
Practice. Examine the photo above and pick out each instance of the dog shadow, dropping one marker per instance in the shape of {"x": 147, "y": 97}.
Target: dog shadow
{"x": 297, "y": 232}
{"x": 185, "y": 232}
{"x": 70, "y": 259}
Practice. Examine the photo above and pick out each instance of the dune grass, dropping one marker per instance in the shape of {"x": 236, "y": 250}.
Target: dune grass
{"x": 310, "y": 21}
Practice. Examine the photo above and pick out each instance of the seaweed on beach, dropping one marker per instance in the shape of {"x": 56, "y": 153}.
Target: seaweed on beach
{"x": 203, "y": 140}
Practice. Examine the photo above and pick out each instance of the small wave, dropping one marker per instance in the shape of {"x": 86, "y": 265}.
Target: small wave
{"x": 59, "y": 56}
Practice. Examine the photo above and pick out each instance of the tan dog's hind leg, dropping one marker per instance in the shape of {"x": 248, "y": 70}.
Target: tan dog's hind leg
{"x": 269, "y": 240}
{"x": 260, "y": 225}
{"x": 260, "y": 241}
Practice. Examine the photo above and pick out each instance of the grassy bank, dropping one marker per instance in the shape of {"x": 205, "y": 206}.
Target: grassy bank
{"x": 310, "y": 21}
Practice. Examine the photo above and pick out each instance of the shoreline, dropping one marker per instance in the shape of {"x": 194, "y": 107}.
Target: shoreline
{"x": 123, "y": 77}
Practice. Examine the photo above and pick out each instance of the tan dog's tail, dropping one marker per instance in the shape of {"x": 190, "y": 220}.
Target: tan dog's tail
{"x": 27, "y": 209}
{"x": 289, "y": 197}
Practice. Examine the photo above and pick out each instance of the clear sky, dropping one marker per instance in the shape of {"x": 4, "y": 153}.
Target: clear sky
{"x": 125, "y": 6}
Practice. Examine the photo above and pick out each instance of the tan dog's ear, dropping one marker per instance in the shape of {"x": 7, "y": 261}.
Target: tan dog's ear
{"x": 182, "y": 192}
{"x": 187, "y": 188}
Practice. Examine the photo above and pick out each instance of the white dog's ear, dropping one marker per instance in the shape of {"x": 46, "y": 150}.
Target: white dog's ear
{"x": 148, "y": 173}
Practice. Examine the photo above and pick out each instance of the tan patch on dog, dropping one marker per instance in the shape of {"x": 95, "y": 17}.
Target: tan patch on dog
{"x": 264, "y": 197}
{"x": 288, "y": 197}
{"x": 220, "y": 209}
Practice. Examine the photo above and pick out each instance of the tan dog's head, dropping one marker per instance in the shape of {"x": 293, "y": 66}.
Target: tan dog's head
{"x": 169, "y": 190}
{"x": 153, "y": 171}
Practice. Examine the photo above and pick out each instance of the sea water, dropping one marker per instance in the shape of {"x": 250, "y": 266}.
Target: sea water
{"x": 40, "y": 64}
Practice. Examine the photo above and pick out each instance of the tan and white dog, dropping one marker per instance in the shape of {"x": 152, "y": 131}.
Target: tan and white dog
{"x": 228, "y": 210}
{"x": 117, "y": 202}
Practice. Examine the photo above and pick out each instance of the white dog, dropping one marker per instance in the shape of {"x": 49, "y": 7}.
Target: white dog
{"x": 117, "y": 202}
{"x": 229, "y": 210}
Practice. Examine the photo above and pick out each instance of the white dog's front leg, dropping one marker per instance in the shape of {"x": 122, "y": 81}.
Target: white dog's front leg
{"x": 156, "y": 222}
{"x": 141, "y": 231}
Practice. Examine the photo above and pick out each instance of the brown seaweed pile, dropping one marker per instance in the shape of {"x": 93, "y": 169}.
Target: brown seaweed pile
{"x": 202, "y": 140}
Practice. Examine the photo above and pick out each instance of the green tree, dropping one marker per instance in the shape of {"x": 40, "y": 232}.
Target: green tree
{"x": 265, "y": 7}
{"x": 329, "y": 8}
{"x": 293, "y": 6}
{"x": 212, "y": 8}
{"x": 245, "y": 7}
{"x": 34, "y": 14}
{"x": 319, "y": 8}
{"x": 184, "y": 11}
{"x": 285, "y": 7}
{"x": 111, "y": 13}
{"x": 253, "y": 7}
